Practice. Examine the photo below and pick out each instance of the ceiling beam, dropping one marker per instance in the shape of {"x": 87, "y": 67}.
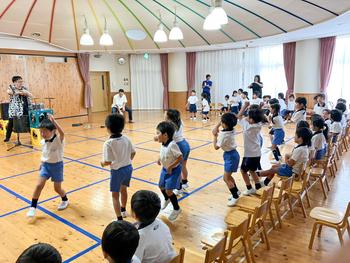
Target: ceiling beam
{"x": 52, "y": 16}
{"x": 27, "y": 17}
{"x": 7, "y": 8}
{"x": 320, "y": 7}
{"x": 75, "y": 25}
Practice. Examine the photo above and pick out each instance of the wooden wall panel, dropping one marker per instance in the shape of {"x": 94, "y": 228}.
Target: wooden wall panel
{"x": 309, "y": 97}
{"x": 60, "y": 80}
{"x": 178, "y": 100}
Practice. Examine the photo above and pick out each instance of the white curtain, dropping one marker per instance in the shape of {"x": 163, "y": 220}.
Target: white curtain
{"x": 338, "y": 86}
{"x": 268, "y": 63}
{"x": 146, "y": 82}
{"x": 225, "y": 68}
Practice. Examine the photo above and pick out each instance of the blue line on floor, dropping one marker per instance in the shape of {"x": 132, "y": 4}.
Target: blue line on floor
{"x": 16, "y": 154}
{"x": 81, "y": 253}
{"x": 62, "y": 220}
{"x": 14, "y": 211}
{"x": 200, "y": 160}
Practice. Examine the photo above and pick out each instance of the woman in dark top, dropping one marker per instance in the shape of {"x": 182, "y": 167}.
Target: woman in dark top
{"x": 257, "y": 85}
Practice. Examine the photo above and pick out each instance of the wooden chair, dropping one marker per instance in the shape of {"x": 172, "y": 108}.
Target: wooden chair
{"x": 300, "y": 190}
{"x": 237, "y": 241}
{"x": 282, "y": 197}
{"x": 249, "y": 203}
{"x": 213, "y": 108}
{"x": 180, "y": 257}
{"x": 217, "y": 252}
{"x": 330, "y": 218}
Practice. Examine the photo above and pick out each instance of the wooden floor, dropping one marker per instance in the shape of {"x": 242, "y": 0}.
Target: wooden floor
{"x": 76, "y": 231}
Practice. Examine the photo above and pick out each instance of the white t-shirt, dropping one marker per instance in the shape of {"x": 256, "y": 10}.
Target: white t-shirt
{"x": 299, "y": 115}
{"x": 291, "y": 105}
{"x": 277, "y": 122}
{"x": 319, "y": 109}
{"x": 235, "y": 100}
{"x": 252, "y": 139}
{"x": 282, "y": 104}
{"x": 52, "y": 152}
{"x": 227, "y": 103}
{"x": 300, "y": 155}
{"x": 205, "y": 105}
{"x": 155, "y": 245}
{"x": 257, "y": 101}
{"x": 226, "y": 140}
{"x": 178, "y": 135}
{"x": 336, "y": 127}
{"x": 119, "y": 101}
{"x": 135, "y": 260}
{"x": 328, "y": 123}
{"x": 318, "y": 141}
{"x": 192, "y": 99}
{"x": 168, "y": 154}
{"x": 118, "y": 151}
{"x": 343, "y": 120}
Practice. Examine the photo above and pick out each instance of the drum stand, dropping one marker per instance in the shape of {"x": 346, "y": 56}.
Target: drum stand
{"x": 18, "y": 143}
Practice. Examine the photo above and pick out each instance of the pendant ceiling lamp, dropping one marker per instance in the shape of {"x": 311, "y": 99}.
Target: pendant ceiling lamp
{"x": 176, "y": 33}
{"x": 106, "y": 39}
{"x": 86, "y": 39}
{"x": 160, "y": 36}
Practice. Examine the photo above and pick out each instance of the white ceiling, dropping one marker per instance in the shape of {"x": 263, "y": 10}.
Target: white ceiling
{"x": 252, "y": 22}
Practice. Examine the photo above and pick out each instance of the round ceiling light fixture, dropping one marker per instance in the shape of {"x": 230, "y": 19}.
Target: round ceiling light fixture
{"x": 136, "y": 34}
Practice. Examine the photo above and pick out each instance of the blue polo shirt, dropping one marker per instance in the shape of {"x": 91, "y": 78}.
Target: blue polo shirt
{"x": 207, "y": 85}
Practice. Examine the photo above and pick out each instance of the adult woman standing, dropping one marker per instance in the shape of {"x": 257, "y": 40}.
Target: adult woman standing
{"x": 19, "y": 102}
{"x": 257, "y": 85}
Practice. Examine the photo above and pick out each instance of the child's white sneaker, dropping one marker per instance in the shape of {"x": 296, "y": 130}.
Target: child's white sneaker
{"x": 124, "y": 214}
{"x": 204, "y": 121}
{"x": 249, "y": 192}
{"x": 177, "y": 192}
{"x": 232, "y": 202}
{"x": 185, "y": 186}
{"x": 63, "y": 205}
{"x": 174, "y": 214}
{"x": 191, "y": 118}
{"x": 165, "y": 203}
{"x": 195, "y": 118}
{"x": 31, "y": 212}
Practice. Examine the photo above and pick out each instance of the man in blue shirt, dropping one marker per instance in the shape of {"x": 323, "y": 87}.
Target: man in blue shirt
{"x": 206, "y": 85}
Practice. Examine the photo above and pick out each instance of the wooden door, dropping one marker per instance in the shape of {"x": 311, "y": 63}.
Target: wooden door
{"x": 99, "y": 87}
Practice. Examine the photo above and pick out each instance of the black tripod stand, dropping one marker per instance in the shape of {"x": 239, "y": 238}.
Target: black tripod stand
{"x": 18, "y": 143}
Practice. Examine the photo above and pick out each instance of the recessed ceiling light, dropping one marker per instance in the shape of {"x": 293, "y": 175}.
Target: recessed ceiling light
{"x": 136, "y": 34}
{"x": 36, "y": 34}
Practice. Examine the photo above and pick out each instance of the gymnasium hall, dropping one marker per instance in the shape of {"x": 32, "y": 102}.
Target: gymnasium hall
{"x": 172, "y": 131}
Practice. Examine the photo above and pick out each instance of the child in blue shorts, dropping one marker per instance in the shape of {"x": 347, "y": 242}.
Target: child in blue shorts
{"x": 170, "y": 159}
{"x": 118, "y": 153}
{"x": 174, "y": 117}
{"x": 295, "y": 162}
{"x": 277, "y": 131}
{"x": 192, "y": 105}
{"x": 225, "y": 139}
{"x": 319, "y": 138}
{"x": 51, "y": 162}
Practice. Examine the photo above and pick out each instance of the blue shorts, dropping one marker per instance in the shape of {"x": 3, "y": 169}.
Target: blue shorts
{"x": 235, "y": 109}
{"x": 285, "y": 170}
{"x": 283, "y": 113}
{"x": 231, "y": 161}
{"x": 170, "y": 181}
{"x": 184, "y": 148}
{"x": 120, "y": 177}
{"x": 53, "y": 171}
{"x": 205, "y": 112}
{"x": 193, "y": 108}
{"x": 335, "y": 138}
{"x": 278, "y": 136}
{"x": 320, "y": 153}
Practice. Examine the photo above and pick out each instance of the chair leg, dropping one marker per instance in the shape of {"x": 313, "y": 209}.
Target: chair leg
{"x": 340, "y": 235}
{"x": 323, "y": 189}
{"x": 271, "y": 218}
{"x": 302, "y": 206}
{"x": 246, "y": 253}
{"x": 250, "y": 246}
{"x": 278, "y": 214}
{"x": 290, "y": 205}
{"x": 348, "y": 227}
{"x": 326, "y": 181}
{"x": 307, "y": 198}
{"x": 312, "y": 235}
{"x": 319, "y": 231}
{"x": 266, "y": 238}
{"x": 335, "y": 166}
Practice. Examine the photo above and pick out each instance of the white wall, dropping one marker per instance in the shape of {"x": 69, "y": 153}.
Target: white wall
{"x": 177, "y": 72}
{"x": 109, "y": 62}
{"x": 307, "y": 69}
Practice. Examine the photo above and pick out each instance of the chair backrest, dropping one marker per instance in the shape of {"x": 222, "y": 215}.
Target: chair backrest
{"x": 180, "y": 257}
{"x": 240, "y": 231}
{"x": 346, "y": 215}
{"x": 217, "y": 252}
{"x": 286, "y": 187}
{"x": 306, "y": 177}
{"x": 260, "y": 214}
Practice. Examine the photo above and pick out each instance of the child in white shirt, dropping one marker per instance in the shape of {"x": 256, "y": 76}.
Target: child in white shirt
{"x": 235, "y": 101}
{"x": 256, "y": 100}
{"x": 192, "y": 105}
{"x": 282, "y": 103}
{"x": 295, "y": 162}
{"x": 205, "y": 107}
{"x": 51, "y": 163}
{"x": 319, "y": 138}
{"x": 155, "y": 244}
{"x": 251, "y": 126}
{"x": 336, "y": 127}
{"x": 300, "y": 110}
{"x": 277, "y": 130}
{"x": 170, "y": 159}
{"x": 225, "y": 139}
{"x": 266, "y": 106}
{"x": 226, "y": 106}
{"x": 118, "y": 153}
{"x": 320, "y": 105}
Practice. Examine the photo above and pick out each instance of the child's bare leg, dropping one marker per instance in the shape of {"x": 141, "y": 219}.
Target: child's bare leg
{"x": 231, "y": 184}
{"x": 123, "y": 196}
{"x": 39, "y": 187}
{"x": 184, "y": 172}
{"x": 58, "y": 189}
{"x": 116, "y": 204}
